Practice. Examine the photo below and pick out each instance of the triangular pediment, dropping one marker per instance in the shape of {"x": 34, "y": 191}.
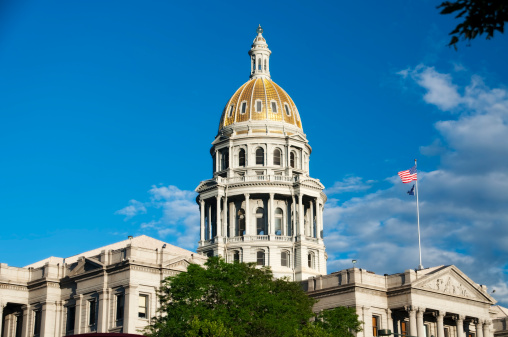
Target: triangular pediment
{"x": 179, "y": 263}
{"x": 451, "y": 281}
{"x": 85, "y": 265}
{"x": 298, "y": 137}
{"x": 312, "y": 183}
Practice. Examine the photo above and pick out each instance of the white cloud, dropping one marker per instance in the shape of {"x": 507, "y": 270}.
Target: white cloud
{"x": 133, "y": 209}
{"x": 173, "y": 212}
{"x": 349, "y": 184}
{"x": 463, "y": 213}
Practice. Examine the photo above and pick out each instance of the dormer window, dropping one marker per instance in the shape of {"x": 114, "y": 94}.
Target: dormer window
{"x": 259, "y": 105}
{"x": 287, "y": 109}
{"x": 274, "y": 107}
{"x": 231, "y": 110}
{"x": 243, "y": 108}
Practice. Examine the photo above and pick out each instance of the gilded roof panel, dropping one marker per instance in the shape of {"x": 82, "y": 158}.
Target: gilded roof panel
{"x": 228, "y": 115}
{"x": 271, "y": 96}
{"x": 258, "y": 94}
{"x": 245, "y": 97}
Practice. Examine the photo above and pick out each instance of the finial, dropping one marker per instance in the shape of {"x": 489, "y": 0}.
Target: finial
{"x": 259, "y": 30}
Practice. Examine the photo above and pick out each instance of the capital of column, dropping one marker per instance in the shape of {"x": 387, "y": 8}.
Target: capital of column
{"x": 441, "y": 313}
{"x": 246, "y": 195}
{"x": 459, "y": 317}
{"x": 411, "y": 309}
{"x": 420, "y": 312}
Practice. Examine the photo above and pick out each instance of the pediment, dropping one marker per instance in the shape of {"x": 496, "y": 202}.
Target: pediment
{"x": 85, "y": 265}
{"x": 179, "y": 263}
{"x": 298, "y": 137}
{"x": 312, "y": 183}
{"x": 451, "y": 281}
{"x": 205, "y": 185}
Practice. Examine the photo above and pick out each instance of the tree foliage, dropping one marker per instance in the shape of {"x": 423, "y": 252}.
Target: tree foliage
{"x": 236, "y": 299}
{"x": 340, "y": 321}
{"x": 479, "y": 17}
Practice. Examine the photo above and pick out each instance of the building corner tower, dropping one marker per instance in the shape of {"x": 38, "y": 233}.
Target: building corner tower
{"x": 261, "y": 204}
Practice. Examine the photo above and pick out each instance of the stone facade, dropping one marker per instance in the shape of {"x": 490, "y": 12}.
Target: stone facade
{"x": 440, "y": 301}
{"x": 109, "y": 289}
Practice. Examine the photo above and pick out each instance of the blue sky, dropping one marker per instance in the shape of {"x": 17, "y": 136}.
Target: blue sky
{"x": 108, "y": 109}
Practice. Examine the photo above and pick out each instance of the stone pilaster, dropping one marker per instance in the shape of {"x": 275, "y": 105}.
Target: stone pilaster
{"x": 131, "y": 309}
{"x": 102, "y": 325}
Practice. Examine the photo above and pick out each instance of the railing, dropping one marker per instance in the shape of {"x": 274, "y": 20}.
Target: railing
{"x": 289, "y": 179}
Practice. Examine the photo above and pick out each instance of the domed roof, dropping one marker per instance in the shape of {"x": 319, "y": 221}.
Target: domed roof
{"x": 260, "y": 99}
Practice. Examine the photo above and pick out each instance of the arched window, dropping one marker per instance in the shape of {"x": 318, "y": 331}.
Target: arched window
{"x": 254, "y": 62}
{"x": 241, "y": 222}
{"x": 241, "y": 158}
{"x": 292, "y": 160}
{"x": 259, "y": 64}
{"x": 225, "y": 160}
{"x": 260, "y": 258}
{"x": 278, "y": 221}
{"x": 284, "y": 259}
{"x": 310, "y": 260}
{"x": 276, "y": 157}
{"x": 260, "y": 156}
{"x": 260, "y": 221}
{"x": 236, "y": 256}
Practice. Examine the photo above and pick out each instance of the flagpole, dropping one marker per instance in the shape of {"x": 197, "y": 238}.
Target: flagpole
{"x": 420, "y": 266}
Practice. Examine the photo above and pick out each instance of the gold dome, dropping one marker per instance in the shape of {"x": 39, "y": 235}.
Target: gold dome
{"x": 261, "y": 92}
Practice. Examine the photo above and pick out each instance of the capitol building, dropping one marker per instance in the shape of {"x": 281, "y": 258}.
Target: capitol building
{"x": 261, "y": 205}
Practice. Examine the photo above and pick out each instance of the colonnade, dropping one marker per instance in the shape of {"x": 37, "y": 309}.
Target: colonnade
{"x": 297, "y": 206}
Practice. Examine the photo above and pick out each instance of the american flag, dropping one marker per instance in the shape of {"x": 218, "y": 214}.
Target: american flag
{"x": 408, "y": 176}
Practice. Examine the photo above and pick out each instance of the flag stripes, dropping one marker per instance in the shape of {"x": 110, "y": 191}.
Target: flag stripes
{"x": 408, "y": 176}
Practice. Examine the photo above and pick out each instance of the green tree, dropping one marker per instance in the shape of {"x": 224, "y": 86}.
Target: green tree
{"x": 479, "y": 17}
{"x": 239, "y": 297}
{"x": 340, "y": 321}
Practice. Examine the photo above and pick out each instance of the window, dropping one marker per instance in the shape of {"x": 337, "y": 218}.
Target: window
{"x": 143, "y": 306}
{"x": 375, "y": 325}
{"x": 259, "y": 64}
{"x": 241, "y": 158}
{"x": 225, "y": 160}
{"x": 260, "y": 221}
{"x": 37, "y": 322}
{"x": 287, "y": 109}
{"x": 19, "y": 325}
{"x": 261, "y": 258}
{"x": 236, "y": 256}
{"x": 292, "y": 160}
{"x": 284, "y": 261}
{"x": 241, "y": 222}
{"x": 446, "y": 332}
{"x": 259, "y": 105}
{"x": 309, "y": 260}
{"x": 276, "y": 157}
{"x": 119, "y": 306}
{"x": 278, "y": 221}
{"x": 244, "y": 108}
{"x": 92, "y": 312}
{"x": 403, "y": 329}
{"x": 260, "y": 156}
{"x": 265, "y": 65}
{"x": 231, "y": 110}
{"x": 274, "y": 107}
{"x": 71, "y": 318}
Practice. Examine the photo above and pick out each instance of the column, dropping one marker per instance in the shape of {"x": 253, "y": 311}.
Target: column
{"x": 320, "y": 227}
{"x": 419, "y": 322}
{"x": 103, "y": 311}
{"x": 440, "y": 325}
{"x": 271, "y": 229}
{"x": 293, "y": 216}
{"x": 209, "y": 221}
{"x": 460, "y": 325}
{"x": 77, "y": 319}
{"x": 413, "y": 331}
{"x": 479, "y": 327}
{"x": 486, "y": 328}
{"x": 224, "y": 230}
{"x": 202, "y": 211}
{"x": 130, "y": 310}
{"x": 25, "y": 330}
{"x": 311, "y": 222}
{"x": 389, "y": 320}
{"x": 248, "y": 230}
{"x": 218, "y": 222}
{"x": 2, "y": 305}
{"x": 301, "y": 223}
{"x": 48, "y": 319}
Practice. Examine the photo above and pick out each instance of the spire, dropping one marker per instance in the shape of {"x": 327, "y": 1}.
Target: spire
{"x": 259, "y": 56}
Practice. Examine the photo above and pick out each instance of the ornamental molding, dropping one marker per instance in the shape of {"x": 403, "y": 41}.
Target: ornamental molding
{"x": 13, "y": 287}
{"x": 449, "y": 285}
